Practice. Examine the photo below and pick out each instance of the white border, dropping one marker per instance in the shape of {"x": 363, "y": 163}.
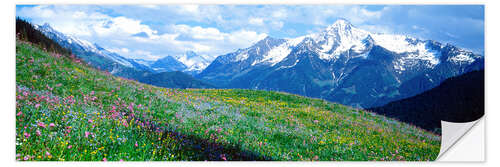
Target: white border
{"x": 7, "y": 100}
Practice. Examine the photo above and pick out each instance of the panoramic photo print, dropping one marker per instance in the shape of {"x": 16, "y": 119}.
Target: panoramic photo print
{"x": 244, "y": 82}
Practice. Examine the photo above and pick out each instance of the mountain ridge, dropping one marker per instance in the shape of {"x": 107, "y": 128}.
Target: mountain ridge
{"x": 321, "y": 65}
{"x": 105, "y": 60}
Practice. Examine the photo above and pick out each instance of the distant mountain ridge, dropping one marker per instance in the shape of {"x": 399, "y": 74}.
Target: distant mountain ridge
{"x": 163, "y": 72}
{"x": 189, "y": 62}
{"x": 343, "y": 64}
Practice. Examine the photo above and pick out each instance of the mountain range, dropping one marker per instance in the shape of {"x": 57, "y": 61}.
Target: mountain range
{"x": 343, "y": 64}
{"x": 162, "y": 72}
{"x": 189, "y": 62}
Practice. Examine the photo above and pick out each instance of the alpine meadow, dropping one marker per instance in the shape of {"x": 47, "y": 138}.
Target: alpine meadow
{"x": 335, "y": 92}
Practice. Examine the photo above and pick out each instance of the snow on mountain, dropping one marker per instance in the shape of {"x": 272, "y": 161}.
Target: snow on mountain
{"x": 342, "y": 38}
{"x": 84, "y": 45}
{"x": 342, "y": 63}
{"x": 46, "y": 28}
{"x": 193, "y": 61}
{"x": 339, "y": 38}
{"x": 241, "y": 57}
{"x": 113, "y": 56}
{"x": 461, "y": 58}
{"x": 144, "y": 62}
{"x": 189, "y": 62}
{"x": 277, "y": 54}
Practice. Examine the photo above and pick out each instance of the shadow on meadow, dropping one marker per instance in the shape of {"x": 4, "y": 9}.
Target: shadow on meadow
{"x": 207, "y": 149}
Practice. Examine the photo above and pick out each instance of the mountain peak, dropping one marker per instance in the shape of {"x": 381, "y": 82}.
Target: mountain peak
{"x": 340, "y": 24}
{"x": 269, "y": 42}
{"x": 267, "y": 38}
{"x": 191, "y": 54}
{"x": 47, "y": 27}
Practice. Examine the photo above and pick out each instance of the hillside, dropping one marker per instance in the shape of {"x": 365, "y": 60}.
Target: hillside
{"x": 105, "y": 60}
{"x": 457, "y": 99}
{"x": 175, "y": 79}
{"x": 67, "y": 110}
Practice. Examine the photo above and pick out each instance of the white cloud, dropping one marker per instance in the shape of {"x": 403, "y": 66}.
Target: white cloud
{"x": 280, "y": 14}
{"x": 150, "y": 6}
{"x": 198, "y": 32}
{"x": 376, "y": 29}
{"x": 207, "y": 29}
{"x": 256, "y": 21}
{"x": 277, "y": 25}
{"x": 189, "y": 8}
{"x": 210, "y": 40}
{"x": 243, "y": 38}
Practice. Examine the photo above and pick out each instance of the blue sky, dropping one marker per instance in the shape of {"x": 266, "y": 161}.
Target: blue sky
{"x": 154, "y": 31}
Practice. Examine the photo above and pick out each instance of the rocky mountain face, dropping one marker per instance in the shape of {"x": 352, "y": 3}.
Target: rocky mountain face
{"x": 343, "y": 64}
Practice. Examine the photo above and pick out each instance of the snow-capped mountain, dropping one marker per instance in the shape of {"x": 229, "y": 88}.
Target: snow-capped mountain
{"x": 344, "y": 64}
{"x": 194, "y": 63}
{"x": 156, "y": 72}
{"x": 167, "y": 64}
{"x": 189, "y": 62}
{"x": 92, "y": 53}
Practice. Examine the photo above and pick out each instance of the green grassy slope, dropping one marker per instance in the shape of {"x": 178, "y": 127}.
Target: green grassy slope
{"x": 69, "y": 111}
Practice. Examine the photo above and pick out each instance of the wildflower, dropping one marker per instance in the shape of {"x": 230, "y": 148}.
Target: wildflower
{"x": 27, "y": 135}
{"x": 131, "y": 107}
{"x": 52, "y": 125}
{"x": 125, "y": 123}
{"x": 41, "y": 124}
{"x": 136, "y": 145}
{"x": 315, "y": 121}
{"x": 37, "y": 105}
{"x": 223, "y": 157}
{"x": 90, "y": 121}
{"x": 70, "y": 146}
{"x": 104, "y": 159}
{"x": 38, "y": 133}
{"x": 26, "y": 158}
{"x": 87, "y": 134}
{"x": 68, "y": 129}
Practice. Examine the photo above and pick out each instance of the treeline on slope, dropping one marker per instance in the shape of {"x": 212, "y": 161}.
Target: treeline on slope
{"x": 27, "y": 32}
{"x": 457, "y": 99}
